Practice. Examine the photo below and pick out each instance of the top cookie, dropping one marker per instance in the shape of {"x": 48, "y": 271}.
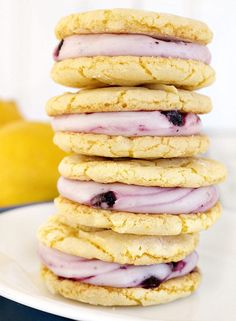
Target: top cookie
{"x": 159, "y": 25}
{"x": 181, "y": 172}
{"x": 108, "y": 99}
{"x": 109, "y": 246}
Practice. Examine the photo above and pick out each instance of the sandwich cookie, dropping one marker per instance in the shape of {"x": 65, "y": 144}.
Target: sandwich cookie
{"x": 131, "y": 47}
{"x": 159, "y": 197}
{"x": 138, "y": 122}
{"x": 102, "y": 267}
{"x": 103, "y": 283}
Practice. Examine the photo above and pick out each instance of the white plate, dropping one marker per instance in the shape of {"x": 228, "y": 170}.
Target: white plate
{"x": 19, "y": 280}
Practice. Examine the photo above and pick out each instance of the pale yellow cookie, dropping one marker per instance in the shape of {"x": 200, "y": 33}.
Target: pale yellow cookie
{"x": 108, "y": 296}
{"x": 119, "y": 99}
{"x": 74, "y": 214}
{"x": 100, "y": 71}
{"x": 135, "y": 147}
{"x": 109, "y": 246}
{"x": 175, "y": 172}
{"x": 156, "y": 24}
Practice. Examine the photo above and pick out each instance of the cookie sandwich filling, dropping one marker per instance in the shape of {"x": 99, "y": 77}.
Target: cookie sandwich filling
{"x": 97, "y": 272}
{"x": 92, "y": 45}
{"x": 134, "y": 123}
{"x": 139, "y": 199}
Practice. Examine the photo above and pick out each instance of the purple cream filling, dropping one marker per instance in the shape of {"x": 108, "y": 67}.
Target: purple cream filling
{"x": 139, "y": 199}
{"x": 129, "y": 45}
{"x": 135, "y": 123}
{"x": 97, "y": 272}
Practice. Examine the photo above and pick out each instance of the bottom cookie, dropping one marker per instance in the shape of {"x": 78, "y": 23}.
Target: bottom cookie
{"x": 74, "y": 214}
{"x": 109, "y": 296}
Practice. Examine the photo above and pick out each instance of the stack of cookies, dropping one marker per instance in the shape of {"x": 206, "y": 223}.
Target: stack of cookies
{"x": 133, "y": 196}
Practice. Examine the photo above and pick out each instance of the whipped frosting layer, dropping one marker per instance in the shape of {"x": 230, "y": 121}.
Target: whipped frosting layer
{"x": 135, "y": 123}
{"x": 102, "y": 273}
{"x": 139, "y": 199}
{"x": 128, "y": 45}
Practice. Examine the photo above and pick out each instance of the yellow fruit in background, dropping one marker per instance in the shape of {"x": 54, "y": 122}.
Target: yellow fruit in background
{"x": 28, "y": 163}
{"x": 8, "y": 112}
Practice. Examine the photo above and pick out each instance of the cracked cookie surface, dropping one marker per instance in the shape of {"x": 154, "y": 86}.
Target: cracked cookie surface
{"x": 109, "y": 246}
{"x": 108, "y": 296}
{"x": 119, "y": 99}
{"x": 175, "y": 172}
{"x": 135, "y": 147}
{"x": 132, "y": 71}
{"x": 135, "y": 21}
{"x": 74, "y": 214}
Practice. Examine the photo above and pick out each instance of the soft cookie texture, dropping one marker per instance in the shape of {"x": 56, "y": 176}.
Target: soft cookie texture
{"x": 135, "y": 147}
{"x": 108, "y": 296}
{"x": 109, "y": 246}
{"x": 74, "y": 214}
{"x": 177, "y": 172}
{"x": 119, "y": 99}
{"x": 155, "y": 24}
{"x": 132, "y": 71}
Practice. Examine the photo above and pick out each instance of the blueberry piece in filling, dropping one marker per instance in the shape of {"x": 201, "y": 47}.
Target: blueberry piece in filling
{"x": 104, "y": 200}
{"x": 178, "y": 266}
{"x": 151, "y": 282}
{"x": 175, "y": 117}
{"x": 57, "y": 51}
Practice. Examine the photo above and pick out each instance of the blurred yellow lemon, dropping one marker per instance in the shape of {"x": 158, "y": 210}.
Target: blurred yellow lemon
{"x": 8, "y": 112}
{"x": 28, "y": 163}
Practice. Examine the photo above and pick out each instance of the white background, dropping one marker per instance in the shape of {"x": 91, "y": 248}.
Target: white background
{"x": 27, "y": 42}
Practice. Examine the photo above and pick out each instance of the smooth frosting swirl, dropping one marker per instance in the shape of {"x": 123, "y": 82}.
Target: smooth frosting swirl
{"x": 136, "y": 123}
{"x": 102, "y": 273}
{"x": 128, "y": 45}
{"x": 139, "y": 199}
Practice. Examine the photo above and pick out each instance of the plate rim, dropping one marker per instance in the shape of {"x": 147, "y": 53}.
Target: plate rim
{"x": 25, "y": 299}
